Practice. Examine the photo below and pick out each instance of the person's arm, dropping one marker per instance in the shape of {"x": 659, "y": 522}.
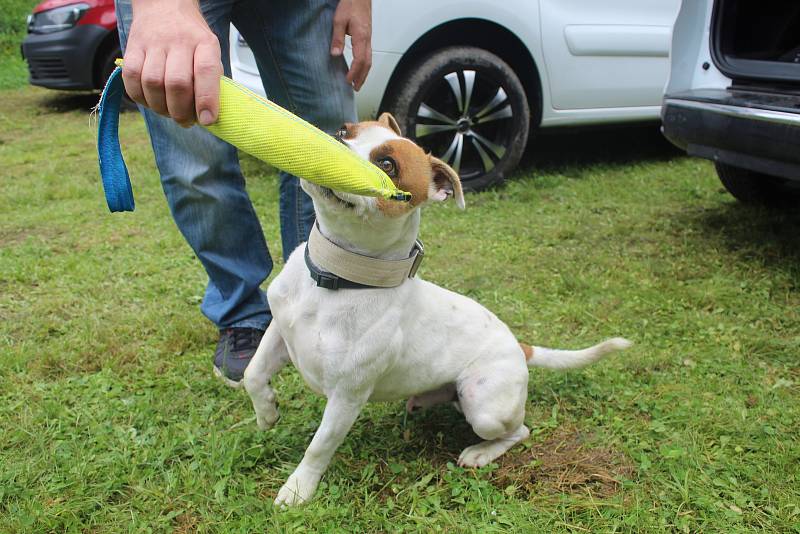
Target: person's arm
{"x": 172, "y": 61}
{"x": 354, "y": 18}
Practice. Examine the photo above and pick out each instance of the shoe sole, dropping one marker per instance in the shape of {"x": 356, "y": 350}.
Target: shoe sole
{"x": 227, "y": 381}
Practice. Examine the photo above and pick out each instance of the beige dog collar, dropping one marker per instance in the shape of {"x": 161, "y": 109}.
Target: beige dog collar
{"x": 333, "y": 267}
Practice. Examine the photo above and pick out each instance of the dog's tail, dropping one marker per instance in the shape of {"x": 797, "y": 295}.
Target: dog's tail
{"x": 572, "y": 359}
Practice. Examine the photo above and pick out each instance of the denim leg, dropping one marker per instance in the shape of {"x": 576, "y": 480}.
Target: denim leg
{"x": 206, "y": 194}
{"x": 291, "y": 43}
{"x": 296, "y": 213}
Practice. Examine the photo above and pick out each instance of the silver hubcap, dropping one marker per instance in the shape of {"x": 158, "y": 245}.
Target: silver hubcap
{"x": 466, "y": 122}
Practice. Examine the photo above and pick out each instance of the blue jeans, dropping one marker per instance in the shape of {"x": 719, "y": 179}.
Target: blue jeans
{"x": 200, "y": 174}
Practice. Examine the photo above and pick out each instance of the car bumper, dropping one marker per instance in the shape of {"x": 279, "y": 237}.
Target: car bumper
{"x": 752, "y": 130}
{"x": 65, "y": 59}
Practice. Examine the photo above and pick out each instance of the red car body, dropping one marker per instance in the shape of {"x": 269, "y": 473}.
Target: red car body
{"x": 78, "y": 57}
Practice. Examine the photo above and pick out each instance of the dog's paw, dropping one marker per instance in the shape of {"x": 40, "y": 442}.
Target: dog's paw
{"x": 264, "y": 405}
{"x": 266, "y": 416}
{"x": 487, "y": 451}
{"x": 298, "y": 489}
{"x": 478, "y": 455}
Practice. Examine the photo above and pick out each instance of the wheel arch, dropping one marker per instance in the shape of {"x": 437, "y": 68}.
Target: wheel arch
{"x": 480, "y": 33}
{"x": 109, "y": 43}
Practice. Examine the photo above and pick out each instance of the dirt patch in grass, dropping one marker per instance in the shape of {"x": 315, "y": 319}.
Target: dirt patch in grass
{"x": 186, "y": 523}
{"x": 18, "y": 235}
{"x": 567, "y": 461}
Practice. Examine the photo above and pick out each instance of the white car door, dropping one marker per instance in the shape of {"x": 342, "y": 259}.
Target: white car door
{"x": 606, "y": 53}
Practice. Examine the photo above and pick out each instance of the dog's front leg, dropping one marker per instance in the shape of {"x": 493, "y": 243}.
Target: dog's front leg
{"x": 270, "y": 358}
{"x": 340, "y": 414}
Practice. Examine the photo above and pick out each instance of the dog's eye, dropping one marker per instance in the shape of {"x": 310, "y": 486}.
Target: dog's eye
{"x": 341, "y": 133}
{"x": 388, "y": 166}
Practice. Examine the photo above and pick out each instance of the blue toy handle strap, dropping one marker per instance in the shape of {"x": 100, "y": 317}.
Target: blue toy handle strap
{"x": 116, "y": 182}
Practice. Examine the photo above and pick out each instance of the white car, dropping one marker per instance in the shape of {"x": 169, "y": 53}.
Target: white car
{"x": 470, "y": 80}
{"x": 733, "y": 95}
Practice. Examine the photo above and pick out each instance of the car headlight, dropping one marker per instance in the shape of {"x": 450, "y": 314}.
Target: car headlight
{"x": 56, "y": 20}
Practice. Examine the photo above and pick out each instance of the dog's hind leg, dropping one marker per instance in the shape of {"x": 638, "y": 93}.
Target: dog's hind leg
{"x": 492, "y": 398}
{"x": 270, "y": 358}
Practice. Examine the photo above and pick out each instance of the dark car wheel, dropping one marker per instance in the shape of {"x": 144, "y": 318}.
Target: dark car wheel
{"x": 107, "y": 67}
{"x": 467, "y": 107}
{"x": 752, "y": 187}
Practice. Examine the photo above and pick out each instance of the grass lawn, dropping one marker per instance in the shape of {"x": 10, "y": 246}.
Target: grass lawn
{"x": 111, "y": 421}
{"x": 13, "y": 13}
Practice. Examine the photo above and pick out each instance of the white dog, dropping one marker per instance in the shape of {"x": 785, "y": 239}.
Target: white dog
{"x": 399, "y": 338}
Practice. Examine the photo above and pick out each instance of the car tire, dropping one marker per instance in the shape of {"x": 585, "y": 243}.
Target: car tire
{"x": 107, "y": 67}
{"x": 467, "y": 107}
{"x": 751, "y": 187}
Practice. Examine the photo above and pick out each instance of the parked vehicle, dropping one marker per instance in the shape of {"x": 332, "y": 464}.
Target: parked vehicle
{"x": 470, "y": 81}
{"x": 734, "y": 94}
{"x": 71, "y": 44}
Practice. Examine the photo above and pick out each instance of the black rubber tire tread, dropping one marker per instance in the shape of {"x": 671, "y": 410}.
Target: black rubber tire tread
{"x": 108, "y": 67}
{"x": 751, "y": 187}
{"x": 432, "y": 68}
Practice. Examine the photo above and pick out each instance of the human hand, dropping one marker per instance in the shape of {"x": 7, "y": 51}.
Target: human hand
{"x": 354, "y": 18}
{"x": 173, "y": 61}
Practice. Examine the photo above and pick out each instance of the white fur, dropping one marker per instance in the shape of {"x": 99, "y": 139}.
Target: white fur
{"x": 575, "y": 359}
{"x": 370, "y": 137}
{"x": 416, "y": 341}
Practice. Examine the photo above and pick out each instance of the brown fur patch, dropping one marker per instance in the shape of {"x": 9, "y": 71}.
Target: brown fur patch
{"x": 353, "y": 128}
{"x": 416, "y": 170}
{"x": 445, "y": 178}
{"x": 388, "y": 120}
{"x": 527, "y": 350}
{"x": 413, "y": 174}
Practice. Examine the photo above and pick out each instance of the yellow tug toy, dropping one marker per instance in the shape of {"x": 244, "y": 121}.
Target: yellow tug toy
{"x": 258, "y": 127}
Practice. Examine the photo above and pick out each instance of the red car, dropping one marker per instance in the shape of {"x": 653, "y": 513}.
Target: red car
{"x": 71, "y": 44}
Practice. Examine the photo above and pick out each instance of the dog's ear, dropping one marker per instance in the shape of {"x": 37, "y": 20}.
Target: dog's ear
{"x": 445, "y": 182}
{"x": 388, "y": 120}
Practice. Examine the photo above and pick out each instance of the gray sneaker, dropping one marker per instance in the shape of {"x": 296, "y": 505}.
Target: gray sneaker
{"x": 235, "y": 349}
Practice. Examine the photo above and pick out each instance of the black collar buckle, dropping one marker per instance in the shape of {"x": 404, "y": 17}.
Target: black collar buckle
{"x": 328, "y": 281}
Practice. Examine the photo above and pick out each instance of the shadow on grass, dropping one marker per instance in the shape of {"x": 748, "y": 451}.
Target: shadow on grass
{"x": 768, "y": 236}
{"x": 67, "y": 102}
{"x": 561, "y": 461}
{"x": 441, "y": 433}
{"x": 559, "y": 148}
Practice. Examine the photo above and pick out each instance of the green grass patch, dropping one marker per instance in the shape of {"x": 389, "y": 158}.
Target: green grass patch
{"x": 13, "y": 13}
{"x": 110, "y": 419}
